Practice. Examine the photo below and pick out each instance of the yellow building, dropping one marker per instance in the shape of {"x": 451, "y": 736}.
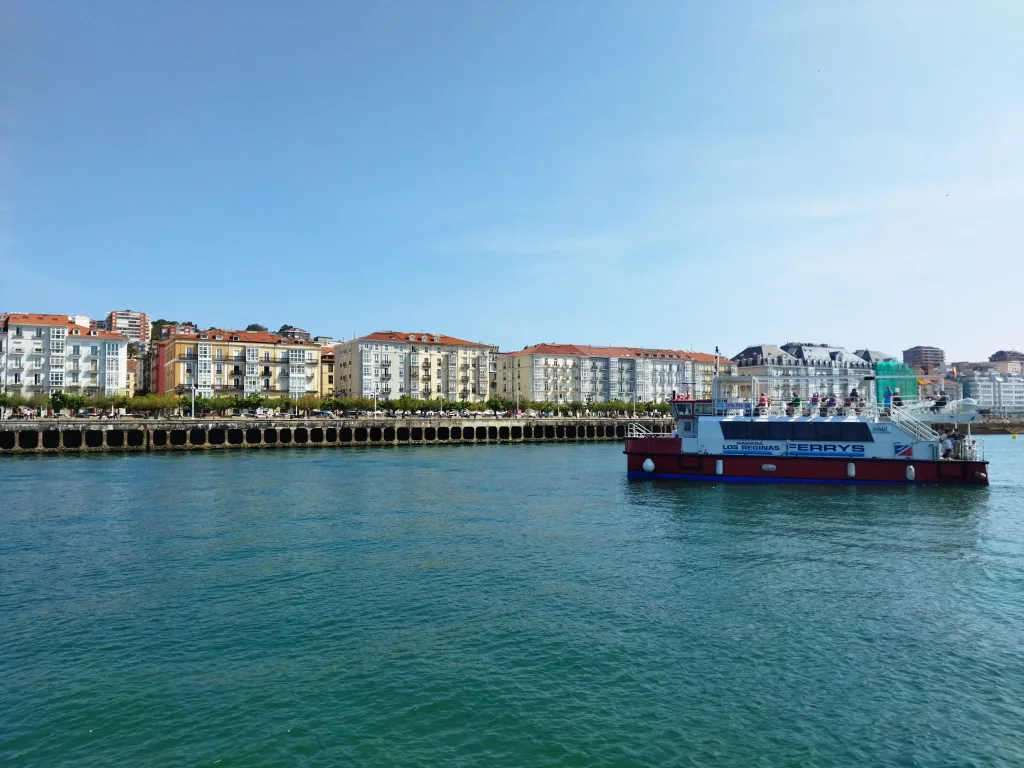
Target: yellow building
{"x": 424, "y": 366}
{"x": 243, "y": 363}
{"x": 327, "y": 372}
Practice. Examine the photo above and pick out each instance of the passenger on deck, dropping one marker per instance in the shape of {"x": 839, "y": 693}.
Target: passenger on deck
{"x": 831, "y": 402}
{"x": 939, "y": 404}
{"x": 887, "y": 398}
{"x": 972, "y": 452}
{"x": 675, "y": 431}
{"x": 947, "y": 445}
{"x": 854, "y": 396}
{"x": 896, "y": 399}
{"x": 762, "y": 404}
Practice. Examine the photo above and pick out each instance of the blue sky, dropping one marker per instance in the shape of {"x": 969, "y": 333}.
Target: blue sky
{"x": 675, "y": 174}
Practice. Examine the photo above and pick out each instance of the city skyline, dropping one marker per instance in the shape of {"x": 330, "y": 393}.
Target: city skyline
{"x": 676, "y": 178}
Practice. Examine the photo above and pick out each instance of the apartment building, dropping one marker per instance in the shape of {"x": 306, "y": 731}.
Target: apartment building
{"x": 838, "y": 370}
{"x": 424, "y": 366}
{"x": 134, "y": 325}
{"x": 576, "y": 373}
{"x": 932, "y": 358}
{"x": 998, "y": 393}
{"x": 327, "y": 372}
{"x": 42, "y": 354}
{"x": 223, "y": 362}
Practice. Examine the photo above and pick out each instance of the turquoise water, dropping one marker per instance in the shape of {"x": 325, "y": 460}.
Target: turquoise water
{"x": 501, "y": 606}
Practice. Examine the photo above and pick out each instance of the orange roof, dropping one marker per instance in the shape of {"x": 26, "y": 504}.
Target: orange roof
{"x": 25, "y": 318}
{"x": 254, "y": 337}
{"x": 585, "y": 350}
{"x": 93, "y": 334}
{"x": 399, "y": 337}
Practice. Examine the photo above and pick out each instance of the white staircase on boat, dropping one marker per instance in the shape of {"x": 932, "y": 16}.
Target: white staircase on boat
{"x": 918, "y": 429}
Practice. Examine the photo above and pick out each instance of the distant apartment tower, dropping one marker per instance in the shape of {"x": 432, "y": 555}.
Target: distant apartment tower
{"x": 128, "y": 322}
{"x": 926, "y": 357}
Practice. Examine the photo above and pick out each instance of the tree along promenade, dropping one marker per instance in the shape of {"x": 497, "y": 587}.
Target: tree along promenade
{"x": 67, "y": 436}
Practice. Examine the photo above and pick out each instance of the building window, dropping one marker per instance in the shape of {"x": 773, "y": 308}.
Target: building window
{"x": 17, "y": 377}
{"x": 220, "y": 354}
{"x": 95, "y": 350}
{"x": 220, "y": 368}
{"x": 220, "y": 380}
{"x": 330, "y": 379}
{"x": 188, "y": 369}
{"x": 266, "y": 383}
{"x": 75, "y": 349}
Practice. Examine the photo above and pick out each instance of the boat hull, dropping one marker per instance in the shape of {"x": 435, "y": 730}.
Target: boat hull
{"x": 667, "y": 463}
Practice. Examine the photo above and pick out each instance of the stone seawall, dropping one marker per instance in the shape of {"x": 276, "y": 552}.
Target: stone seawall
{"x": 66, "y": 436}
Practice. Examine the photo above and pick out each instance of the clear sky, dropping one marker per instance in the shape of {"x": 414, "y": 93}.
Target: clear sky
{"x": 675, "y": 174}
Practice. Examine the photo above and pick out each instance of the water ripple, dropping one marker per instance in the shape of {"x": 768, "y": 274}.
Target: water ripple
{"x": 513, "y": 605}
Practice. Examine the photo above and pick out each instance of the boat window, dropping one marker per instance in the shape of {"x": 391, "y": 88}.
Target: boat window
{"x": 734, "y": 430}
{"x": 804, "y": 431}
{"x": 759, "y": 430}
{"x": 829, "y": 431}
{"x": 857, "y": 432}
{"x": 798, "y": 431}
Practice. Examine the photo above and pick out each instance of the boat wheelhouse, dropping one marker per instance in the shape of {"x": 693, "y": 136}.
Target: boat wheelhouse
{"x": 743, "y": 435}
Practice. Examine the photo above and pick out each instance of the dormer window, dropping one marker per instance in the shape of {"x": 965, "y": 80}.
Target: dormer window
{"x": 204, "y": 335}
{"x": 93, "y": 333}
{"x": 234, "y": 338}
{"x": 74, "y": 332}
{"x": 219, "y": 337}
{"x": 437, "y": 339}
{"x": 411, "y": 337}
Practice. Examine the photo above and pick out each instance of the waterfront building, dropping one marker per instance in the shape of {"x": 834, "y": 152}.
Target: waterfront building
{"x": 426, "y": 366}
{"x": 1012, "y": 367}
{"x": 298, "y": 334}
{"x": 998, "y": 393}
{"x": 578, "y": 373}
{"x": 811, "y": 369}
{"x": 41, "y": 354}
{"x": 932, "y": 386}
{"x": 932, "y": 357}
{"x": 875, "y": 356}
{"x": 1006, "y": 355}
{"x": 326, "y": 371}
{"x": 243, "y": 363}
{"x": 131, "y": 380}
{"x": 170, "y": 330}
{"x": 134, "y": 325}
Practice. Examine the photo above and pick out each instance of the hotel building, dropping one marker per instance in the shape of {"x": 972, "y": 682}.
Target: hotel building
{"x": 43, "y": 354}
{"x": 575, "y": 373}
{"x": 421, "y": 365}
{"x": 243, "y": 363}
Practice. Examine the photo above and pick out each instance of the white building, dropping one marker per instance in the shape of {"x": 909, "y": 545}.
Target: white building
{"x": 998, "y": 393}
{"x": 804, "y": 369}
{"x": 43, "y": 354}
{"x": 424, "y": 366}
{"x": 577, "y": 373}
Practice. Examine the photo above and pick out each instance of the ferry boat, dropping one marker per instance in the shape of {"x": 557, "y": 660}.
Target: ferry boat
{"x": 739, "y": 435}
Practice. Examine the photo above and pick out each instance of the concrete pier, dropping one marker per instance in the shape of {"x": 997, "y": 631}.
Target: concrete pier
{"x": 65, "y": 436}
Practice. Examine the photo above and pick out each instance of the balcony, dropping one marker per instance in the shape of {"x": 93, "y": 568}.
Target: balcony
{"x": 385, "y": 376}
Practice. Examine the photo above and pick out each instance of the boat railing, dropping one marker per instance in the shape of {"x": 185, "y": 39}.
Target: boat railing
{"x": 634, "y": 431}
{"x": 903, "y": 418}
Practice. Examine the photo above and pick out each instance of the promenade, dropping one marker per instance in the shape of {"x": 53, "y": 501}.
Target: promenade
{"x": 67, "y": 436}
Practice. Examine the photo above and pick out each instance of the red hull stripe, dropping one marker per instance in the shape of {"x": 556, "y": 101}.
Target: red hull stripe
{"x": 754, "y": 469}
